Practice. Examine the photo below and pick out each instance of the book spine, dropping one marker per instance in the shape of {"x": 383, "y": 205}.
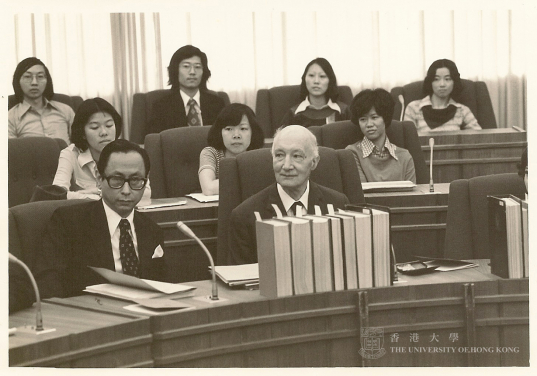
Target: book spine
{"x": 302, "y": 258}
{"x": 498, "y": 238}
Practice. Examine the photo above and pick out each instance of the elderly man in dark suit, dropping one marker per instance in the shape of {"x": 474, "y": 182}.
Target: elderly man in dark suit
{"x": 107, "y": 233}
{"x": 189, "y": 102}
{"x": 294, "y": 155}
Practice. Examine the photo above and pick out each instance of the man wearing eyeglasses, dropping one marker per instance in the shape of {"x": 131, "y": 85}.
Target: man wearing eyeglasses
{"x": 107, "y": 233}
{"x": 189, "y": 102}
{"x": 36, "y": 114}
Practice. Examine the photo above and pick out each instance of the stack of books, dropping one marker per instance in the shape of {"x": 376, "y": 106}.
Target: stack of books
{"x": 349, "y": 249}
{"x": 509, "y": 236}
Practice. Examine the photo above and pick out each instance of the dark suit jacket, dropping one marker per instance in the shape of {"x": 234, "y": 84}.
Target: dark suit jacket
{"x": 242, "y": 239}
{"x": 77, "y": 237}
{"x": 169, "y": 112}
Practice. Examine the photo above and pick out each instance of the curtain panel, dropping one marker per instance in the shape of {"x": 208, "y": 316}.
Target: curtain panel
{"x": 117, "y": 55}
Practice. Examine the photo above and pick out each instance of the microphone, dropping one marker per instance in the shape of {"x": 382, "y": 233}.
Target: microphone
{"x": 431, "y": 184}
{"x": 188, "y": 232}
{"x": 402, "y": 101}
{"x": 38, "y": 315}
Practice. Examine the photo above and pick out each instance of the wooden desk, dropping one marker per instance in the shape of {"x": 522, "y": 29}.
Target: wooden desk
{"x": 321, "y": 330}
{"x": 417, "y": 214}
{"x": 418, "y": 220}
{"x": 465, "y": 154}
{"x": 83, "y": 338}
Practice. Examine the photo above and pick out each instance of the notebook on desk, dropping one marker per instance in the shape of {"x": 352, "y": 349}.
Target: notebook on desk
{"x": 203, "y": 198}
{"x": 159, "y": 203}
{"x": 238, "y": 275}
{"x": 126, "y": 287}
{"x": 388, "y": 186}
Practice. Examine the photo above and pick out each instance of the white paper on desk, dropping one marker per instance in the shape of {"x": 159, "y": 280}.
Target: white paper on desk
{"x": 448, "y": 268}
{"x": 155, "y": 311}
{"x": 202, "y": 198}
{"x": 138, "y": 283}
{"x": 162, "y": 303}
{"x": 162, "y": 204}
{"x": 388, "y": 186}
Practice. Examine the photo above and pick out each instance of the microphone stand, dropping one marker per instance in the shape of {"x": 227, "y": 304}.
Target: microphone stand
{"x": 188, "y": 232}
{"x": 39, "y": 329}
{"x": 402, "y": 101}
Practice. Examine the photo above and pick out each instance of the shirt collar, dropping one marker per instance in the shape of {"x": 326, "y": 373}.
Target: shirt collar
{"x": 85, "y": 157}
{"x": 427, "y": 102}
{"x": 288, "y": 201}
{"x": 368, "y": 146}
{"x": 306, "y": 103}
{"x": 25, "y": 106}
{"x": 113, "y": 218}
{"x": 186, "y": 98}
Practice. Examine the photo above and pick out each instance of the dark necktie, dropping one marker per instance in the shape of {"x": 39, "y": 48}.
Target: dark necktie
{"x": 129, "y": 260}
{"x": 192, "y": 118}
{"x": 296, "y": 205}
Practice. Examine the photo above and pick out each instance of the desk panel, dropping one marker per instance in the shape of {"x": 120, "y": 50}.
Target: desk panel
{"x": 83, "y": 338}
{"x": 418, "y": 214}
{"x": 466, "y": 154}
{"x": 187, "y": 260}
{"x": 324, "y": 330}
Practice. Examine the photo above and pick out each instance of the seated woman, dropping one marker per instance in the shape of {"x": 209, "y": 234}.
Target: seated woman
{"x": 378, "y": 159}
{"x": 439, "y": 111}
{"x": 319, "y": 94}
{"x": 235, "y": 130}
{"x": 96, "y": 124}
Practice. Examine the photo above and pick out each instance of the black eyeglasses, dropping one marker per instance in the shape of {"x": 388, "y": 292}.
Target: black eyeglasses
{"x": 117, "y": 182}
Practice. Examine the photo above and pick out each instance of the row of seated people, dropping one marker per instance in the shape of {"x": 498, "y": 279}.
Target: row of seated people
{"x": 108, "y": 233}
{"x": 190, "y": 103}
{"x": 234, "y": 130}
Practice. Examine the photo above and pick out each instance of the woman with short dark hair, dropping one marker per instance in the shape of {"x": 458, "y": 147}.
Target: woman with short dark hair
{"x": 234, "y": 131}
{"x": 319, "y": 94}
{"x": 96, "y": 124}
{"x": 376, "y": 158}
{"x": 439, "y": 110}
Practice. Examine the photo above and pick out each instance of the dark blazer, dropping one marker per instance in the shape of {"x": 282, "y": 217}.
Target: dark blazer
{"x": 77, "y": 237}
{"x": 242, "y": 238}
{"x": 169, "y": 112}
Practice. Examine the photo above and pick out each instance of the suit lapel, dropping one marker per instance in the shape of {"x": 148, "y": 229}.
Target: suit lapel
{"x": 180, "y": 112}
{"x": 99, "y": 237}
{"x": 273, "y": 198}
{"x": 143, "y": 238}
{"x": 315, "y": 198}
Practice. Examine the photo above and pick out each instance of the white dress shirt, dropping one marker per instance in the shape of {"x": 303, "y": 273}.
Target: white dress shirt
{"x": 288, "y": 201}
{"x": 113, "y": 227}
